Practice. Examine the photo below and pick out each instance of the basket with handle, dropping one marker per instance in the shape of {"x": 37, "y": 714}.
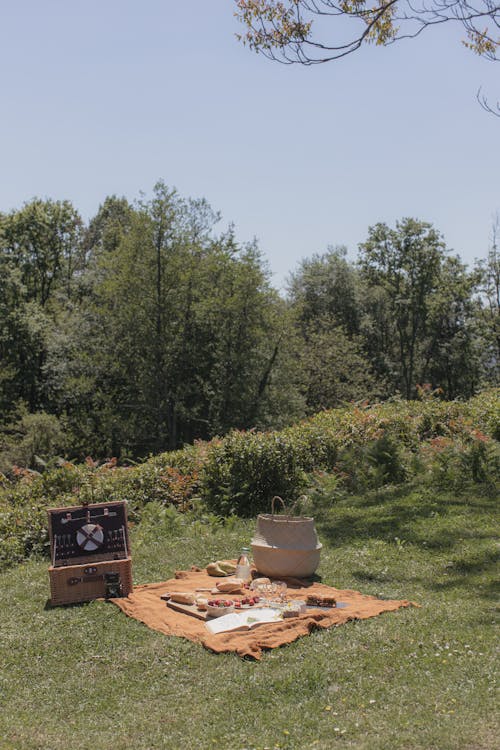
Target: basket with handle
{"x": 285, "y": 544}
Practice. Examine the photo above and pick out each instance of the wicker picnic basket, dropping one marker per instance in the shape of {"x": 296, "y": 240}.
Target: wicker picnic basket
{"x": 90, "y": 552}
{"x": 285, "y": 545}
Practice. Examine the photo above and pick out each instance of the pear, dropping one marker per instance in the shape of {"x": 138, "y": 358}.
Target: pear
{"x": 227, "y": 566}
{"x": 213, "y": 569}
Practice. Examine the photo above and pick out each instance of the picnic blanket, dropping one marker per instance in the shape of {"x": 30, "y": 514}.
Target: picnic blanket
{"x": 145, "y": 604}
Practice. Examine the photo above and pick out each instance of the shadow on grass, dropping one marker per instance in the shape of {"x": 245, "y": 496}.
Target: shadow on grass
{"x": 392, "y": 514}
{"x": 71, "y": 605}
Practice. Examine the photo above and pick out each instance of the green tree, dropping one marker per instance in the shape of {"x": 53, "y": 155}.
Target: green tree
{"x": 327, "y": 285}
{"x": 181, "y": 337}
{"x": 454, "y": 347}
{"x": 419, "y": 314}
{"x": 40, "y": 260}
{"x": 489, "y": 292}
{"x": 326, "y": 298}
{"x": 335, "y": 368}
{"x": 107, "y": 228}
{"x": 43, "y": 239}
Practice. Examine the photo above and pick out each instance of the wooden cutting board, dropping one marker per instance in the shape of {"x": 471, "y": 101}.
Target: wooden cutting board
{"x": 188, "y": 609}
{"x": 191, "y": 609}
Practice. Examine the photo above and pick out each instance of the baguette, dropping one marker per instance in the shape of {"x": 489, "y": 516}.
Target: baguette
{"x": 182, "y": 597}
{"x": 231, "y": 586}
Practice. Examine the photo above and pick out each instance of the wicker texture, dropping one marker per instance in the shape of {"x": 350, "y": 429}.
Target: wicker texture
{"x": 83, "y": 583}
{"x": 87, "y": 543}
{"x": 285, "y": 545}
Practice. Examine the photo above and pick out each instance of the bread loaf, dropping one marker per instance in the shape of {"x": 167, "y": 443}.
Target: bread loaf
{"x": 182, "y": 597}
{"x": 231, "y": 586}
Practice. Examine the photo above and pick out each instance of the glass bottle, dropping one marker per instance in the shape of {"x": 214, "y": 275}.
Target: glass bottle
{"x": 243, "y": 566}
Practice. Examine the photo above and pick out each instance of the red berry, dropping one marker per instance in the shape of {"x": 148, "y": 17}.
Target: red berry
{"x": 237, "y": 605}
{"x": 256, "y": 599}
{"x": 227, "y": 603}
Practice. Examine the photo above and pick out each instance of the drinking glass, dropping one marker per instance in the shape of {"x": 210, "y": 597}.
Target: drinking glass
{"x": 281, "y": 588}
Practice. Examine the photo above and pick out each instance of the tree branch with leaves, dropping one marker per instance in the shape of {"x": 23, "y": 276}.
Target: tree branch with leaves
{"x": 317, "y": 31}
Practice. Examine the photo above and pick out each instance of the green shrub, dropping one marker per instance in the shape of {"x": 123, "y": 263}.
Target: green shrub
{"x": 445, "y": 444}
{"x": 31, "y": 441}
{"x": 451, "y": 464}
{"x": 245, "y": 470}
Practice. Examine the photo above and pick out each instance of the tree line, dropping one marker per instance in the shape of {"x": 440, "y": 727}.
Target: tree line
{"x": 145, "y": 328}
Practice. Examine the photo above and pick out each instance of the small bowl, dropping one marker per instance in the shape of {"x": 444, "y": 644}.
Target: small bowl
{"x": 219, "y": 611}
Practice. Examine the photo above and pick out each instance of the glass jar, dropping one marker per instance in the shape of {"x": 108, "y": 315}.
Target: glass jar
{"x": 243, "y": 567}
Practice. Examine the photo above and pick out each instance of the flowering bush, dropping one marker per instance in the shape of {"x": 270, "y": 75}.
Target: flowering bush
{"x": 443, "y": 443}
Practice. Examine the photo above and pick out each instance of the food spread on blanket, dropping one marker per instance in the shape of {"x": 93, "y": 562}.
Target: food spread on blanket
{"x": 261, "y": 592}
{"x": 258, "y": 592}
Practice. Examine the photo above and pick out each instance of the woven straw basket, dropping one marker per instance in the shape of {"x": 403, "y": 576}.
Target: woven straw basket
{"x": 285, "y": 545}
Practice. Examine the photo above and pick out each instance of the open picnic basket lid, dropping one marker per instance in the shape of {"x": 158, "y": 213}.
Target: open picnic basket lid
{"x": 98, "y": 530}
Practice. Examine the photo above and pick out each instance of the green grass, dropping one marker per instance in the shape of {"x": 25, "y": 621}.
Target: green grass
{"x": 87, "y": 677}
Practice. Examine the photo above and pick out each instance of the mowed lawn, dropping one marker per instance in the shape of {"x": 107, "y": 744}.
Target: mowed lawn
{"x": 86, "y": 677}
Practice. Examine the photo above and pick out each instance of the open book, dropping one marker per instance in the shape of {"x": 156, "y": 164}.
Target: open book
{"x": 243, "y": 620}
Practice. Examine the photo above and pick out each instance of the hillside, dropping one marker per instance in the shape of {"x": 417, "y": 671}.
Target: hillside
{"x": 438, "y": 444}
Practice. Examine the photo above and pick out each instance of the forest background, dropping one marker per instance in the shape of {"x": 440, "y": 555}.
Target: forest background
{"x": 147, "y": 327}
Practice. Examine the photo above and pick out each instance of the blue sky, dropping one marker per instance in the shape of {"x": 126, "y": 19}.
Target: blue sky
{"x": 107, "y": 96}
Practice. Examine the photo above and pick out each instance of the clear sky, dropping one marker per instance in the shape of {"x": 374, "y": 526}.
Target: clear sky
{"x": 103, "y": 97}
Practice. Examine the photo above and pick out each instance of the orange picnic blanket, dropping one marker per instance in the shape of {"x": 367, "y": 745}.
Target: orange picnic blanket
{"x": 145, "y": 605}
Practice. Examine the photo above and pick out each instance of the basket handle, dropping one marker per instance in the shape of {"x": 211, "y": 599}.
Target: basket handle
{"x": 277, "y": 497}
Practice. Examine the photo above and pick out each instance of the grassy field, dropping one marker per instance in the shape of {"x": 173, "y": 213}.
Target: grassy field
{"x": 87, "y": 677}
